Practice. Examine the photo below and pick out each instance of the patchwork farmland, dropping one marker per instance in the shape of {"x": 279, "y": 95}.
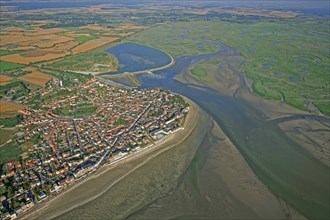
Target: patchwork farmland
{"x": 4, "y": 79}
{"x": 35, "y": 76}
{"x": 9, "y": 107}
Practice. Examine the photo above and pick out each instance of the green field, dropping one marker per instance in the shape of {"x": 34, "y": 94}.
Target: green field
{"x": 7, "y": 52}
{"x": 82, "y": 39}
{"x": 79, "y": 110}
{"x": 9, "y": 120}
{"x": 6, "y": 134}
{"x": 288, "y": 58}
{"x": 4, "y": 66}
{"x": 173, "y": 38}
{"x": 199, "y": 71}
{"x": 71, "y": 28}
{"x": 9, "y": 151}
{"x": 94, "y": 61}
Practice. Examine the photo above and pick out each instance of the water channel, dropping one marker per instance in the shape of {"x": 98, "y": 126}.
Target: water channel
{"x": 290, "y": 172}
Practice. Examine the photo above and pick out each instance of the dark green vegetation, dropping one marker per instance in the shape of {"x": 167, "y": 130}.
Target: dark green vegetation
{"x": 288, "y": 59}
{"x": 14, "y": 90}
{"x": 94, "y": 61}
{"x": 6, "y": 134}
{"x": 4, "y": 65}
{"x": 121, "y": 121}
{"x": 78, "y": 110}
{"x": 7, "y": 52}
{"x": 9, "y": 152}
{"x": 12, "y": 121}
{"x": 82, "y": 39}
{"x": 71, "y": 79}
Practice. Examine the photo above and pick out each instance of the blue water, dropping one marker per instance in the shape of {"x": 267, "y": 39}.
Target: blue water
{"x": 302, "y": 71}
{"x": 273, "y": 60}
{"x": 135, "y": 57}
{"x": 293, "y": 78}
{"x": 277, "y": 73}
{"x": 265, "y": 65}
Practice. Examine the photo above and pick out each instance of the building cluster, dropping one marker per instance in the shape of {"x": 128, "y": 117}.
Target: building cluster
{"x": 63, "y": 149}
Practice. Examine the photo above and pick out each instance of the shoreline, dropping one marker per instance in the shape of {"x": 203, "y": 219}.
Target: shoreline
{"x": 171, "y": 63}
{"x": 40, "y": 209}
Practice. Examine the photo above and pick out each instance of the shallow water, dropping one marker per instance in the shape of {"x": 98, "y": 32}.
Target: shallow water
{"x": 135, "y": 57}
{"x": 287, "y": 170}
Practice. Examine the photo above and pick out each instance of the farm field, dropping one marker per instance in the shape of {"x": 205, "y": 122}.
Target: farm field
{"x": 4, "y": 65}
{"x": 9, "y": 152}
{"x": 82, "y": 38}
{"x": 65, "y": 46}
{"x": 8, "y": 107}
{"x": 6, "y": 52}
{"x": 35, "y": 76}
{"x": 6, "y": 134}
{"x": 287, "y": 60}
{"x": 36, "y": 44}
{"x": 4, "y": 79}
{"x": 89, "y": 45}
{"x": 97, "y": 61}
{"x": 18, "y": 58}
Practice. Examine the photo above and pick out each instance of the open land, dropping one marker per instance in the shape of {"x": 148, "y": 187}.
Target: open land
{"x": 35, "y": 76}
{"x": 87, "y": 46}
{"x": 9, "y": 107}
{"x": 37, "y": 44}
{"x": 6, "y": 134}
{"x": 9, "y": 152}
{"x": 293, "y": 69}
{"x": 4, "y": 65}
{"x": 4, "y": 79}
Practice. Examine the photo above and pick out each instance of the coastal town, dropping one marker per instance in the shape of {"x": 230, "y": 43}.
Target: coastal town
{"x": 70, "y": 132}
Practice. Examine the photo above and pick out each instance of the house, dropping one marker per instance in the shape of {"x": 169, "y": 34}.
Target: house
{"x": 18, "y": 210}
{"x": 42, "y": 196}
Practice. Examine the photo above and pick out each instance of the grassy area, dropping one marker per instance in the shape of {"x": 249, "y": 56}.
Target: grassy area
{"x": 199, "y": 71}
{"x": 9, "y": 122}
{"x": 4, "y": 66}
{"x": 21, "y": 89}
{"x": 71, "y": 28}
{"x": 95, "y": 61}
{"x": 78, "y": 110}
{"x": 7, "y": 52}
{"x": 82, "y": 39}
{"x": 288, "y": 57}
{"x": 6, "y": 134}
{"x": 121, "y": 121}
{"x": 9, "y": 152}
{"x": 174, "y": 39}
